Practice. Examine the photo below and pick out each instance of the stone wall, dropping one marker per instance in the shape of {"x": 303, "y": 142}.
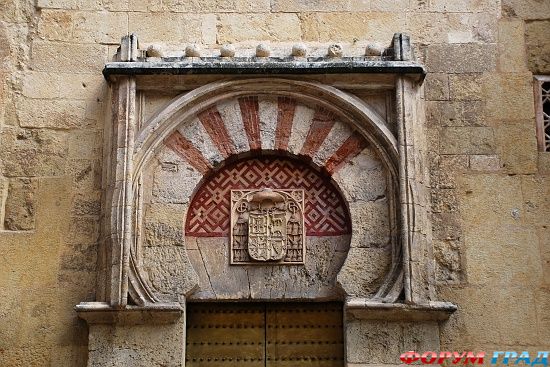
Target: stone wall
{"x": 490, "y": 187}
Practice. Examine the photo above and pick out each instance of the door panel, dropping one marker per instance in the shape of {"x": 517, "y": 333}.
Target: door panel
{"x": 274, "y": 335}
{"x": 223, "y": 335}
{"x": 304, "y": 335}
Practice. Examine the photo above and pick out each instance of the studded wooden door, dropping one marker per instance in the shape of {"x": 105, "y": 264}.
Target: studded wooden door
{"x": 267, "y": 335}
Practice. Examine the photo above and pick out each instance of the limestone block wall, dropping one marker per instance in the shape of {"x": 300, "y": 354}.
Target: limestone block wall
{"x": 489, "y": 185}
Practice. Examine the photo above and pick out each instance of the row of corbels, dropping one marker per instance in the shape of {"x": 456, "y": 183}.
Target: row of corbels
{"x": 263, "y": 50}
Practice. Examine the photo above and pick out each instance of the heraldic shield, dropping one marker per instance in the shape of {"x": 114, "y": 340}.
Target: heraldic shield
{"x": 267, "y": 226}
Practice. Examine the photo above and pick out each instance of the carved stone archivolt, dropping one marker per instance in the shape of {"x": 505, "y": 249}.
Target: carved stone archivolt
{"x": 267, "y": 226}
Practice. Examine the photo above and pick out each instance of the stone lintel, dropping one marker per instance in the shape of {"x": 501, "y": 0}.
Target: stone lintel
{"x": 103, "y": 313}
{"x": 264, "y": 66}
{"x": 365, "y": 309}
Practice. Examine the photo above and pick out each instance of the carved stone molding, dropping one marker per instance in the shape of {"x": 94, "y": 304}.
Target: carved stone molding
{"x": 364, "y": 309}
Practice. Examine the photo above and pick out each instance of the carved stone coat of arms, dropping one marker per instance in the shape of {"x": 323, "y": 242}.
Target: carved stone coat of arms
{"x": 267, "y": 226}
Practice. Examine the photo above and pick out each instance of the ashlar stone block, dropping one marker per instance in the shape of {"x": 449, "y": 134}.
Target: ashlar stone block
{"x": 277, "y": 27}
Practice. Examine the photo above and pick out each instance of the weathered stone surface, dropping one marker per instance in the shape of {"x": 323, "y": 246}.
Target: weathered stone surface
{"x": 472, "y": 28}
{"x": 381, "y": 343}
{"x": 20, "y": 205}
{"x": 55, "y": 56}
{"x": 378, "y": 5}
{"x": 511, "y": 97}
{"x": 40, "y": 85}
{"x": 300, "y": 127}
{"x": 445, "y": 170}
{"x": 461, "y": 5}
{"x": 85, "y": 173}
{"x": 348, "y": 26}
{"x": 463, "y": 58}
{"x": 363, "y": 178}
{"x": 163, "y": 224}
{"x": 224, "y": 6}
{"x": 230, "y": 113}
{"x": 87, "y": 206}
{"x": 317, "y": 6}
{"x": 82, "y": 87}
{"x": 268, "y": 108}
{"x": 169, "y": 270}
{"x": 69, "y": 4}
{"x": 163, "y": 234}
{"x": 85, "y": 144}
{"x": 466, "y": 87}
{"x": 511, "y": 47}
{"x": 544, "y": 162}
{"x": 268, "y": 27}
{"x": 485, "y": 163}
{"x": 64, "y": 114}
{"x": 196, "y": 132}
{"x": 542, "y": 300}
{"x": 427, "y": 27}
{"x": 536, "y": 199}
{"x": 444, "y": 201}
{"x": 219, "y": 280}
{"x": 456, "y": 113}
{"x": 500, "y": 247}
{"x": 446, "y": 226}
{"x": 78, "y": 260}
{"x": 309, "y": 26}
{"x": 138, "y": 345}
{"x": 357, "y": 282}
{"x": 174, "y": 179}
{"x": 370, "y": 223}
{"x": 436, "y": 87}
{"x": 478, "y": 192}
{"x": 177, "y": 27}
{"x": 33, "y": 152}
{"x": 526, "y": 9}
{"x": 82, "y": 230}
{"x": 517, "y": 155}
{"x": 475, "y": 318}
{"x": 467, "y": 140}
{"x": 99, "y": 27}
{"x": 538, "y": 46}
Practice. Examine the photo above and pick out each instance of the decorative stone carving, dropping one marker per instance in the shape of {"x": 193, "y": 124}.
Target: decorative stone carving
{"x": 267, "y": 226}
{"x": 374, "y": 49}
{"x": 154, "y": 50}
{"x": 299, "y": 50}
{"x": 227, "y": 50}
{"x": 335, "y": 50}
{"x": 193, "y": 51}
{"x": 263, "y": 50}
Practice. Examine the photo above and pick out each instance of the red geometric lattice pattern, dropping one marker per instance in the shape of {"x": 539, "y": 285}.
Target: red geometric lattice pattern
{"x": 325, "y": 212}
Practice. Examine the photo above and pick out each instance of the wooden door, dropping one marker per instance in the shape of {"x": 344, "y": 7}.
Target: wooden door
{"x": 274, "y": 335}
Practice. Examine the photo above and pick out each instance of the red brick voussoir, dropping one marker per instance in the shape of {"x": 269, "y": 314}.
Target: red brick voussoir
{"x": 215, "y": 127}
{"x": 185, "y": 149}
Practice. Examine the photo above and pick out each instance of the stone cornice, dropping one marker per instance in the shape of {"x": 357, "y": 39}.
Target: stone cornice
{"x": 103, "y": 313}
{"x": 365, "y": 309}
{"x": 264, "y": 66}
